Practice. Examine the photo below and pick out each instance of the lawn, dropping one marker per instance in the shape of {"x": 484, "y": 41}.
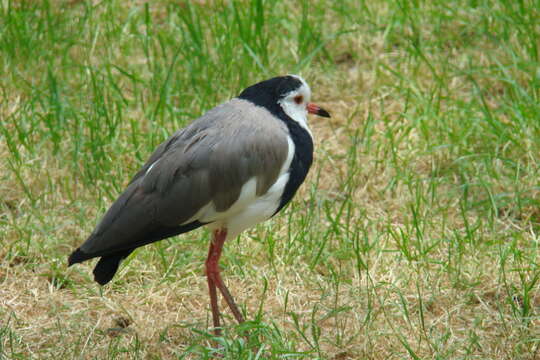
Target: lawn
{"x": 416, "y": 234}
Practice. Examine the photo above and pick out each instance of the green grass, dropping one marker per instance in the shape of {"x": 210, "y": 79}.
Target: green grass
{"x": 415, "y": 236}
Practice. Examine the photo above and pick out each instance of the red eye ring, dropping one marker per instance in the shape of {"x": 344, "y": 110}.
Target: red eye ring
{"x": 298, "y": 99}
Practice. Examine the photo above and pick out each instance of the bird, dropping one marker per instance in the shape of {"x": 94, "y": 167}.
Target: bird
{"x": 235, "y": 166}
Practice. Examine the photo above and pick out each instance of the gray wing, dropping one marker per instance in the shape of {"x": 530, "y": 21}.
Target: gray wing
{"x": 208, "y": 161}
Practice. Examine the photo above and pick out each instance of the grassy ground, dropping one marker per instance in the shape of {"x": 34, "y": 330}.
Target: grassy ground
{"x": 416, "y": 234}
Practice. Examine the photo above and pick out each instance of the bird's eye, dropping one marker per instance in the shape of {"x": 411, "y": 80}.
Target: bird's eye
{"x": 298, "y": 99}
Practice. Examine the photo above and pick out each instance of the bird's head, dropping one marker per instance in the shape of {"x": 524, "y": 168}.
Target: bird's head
{"x": 289, "y": 94}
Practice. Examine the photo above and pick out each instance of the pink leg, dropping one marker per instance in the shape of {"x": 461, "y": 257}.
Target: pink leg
{"x": 214, "y": 280}
{"x": 213, "y": 293}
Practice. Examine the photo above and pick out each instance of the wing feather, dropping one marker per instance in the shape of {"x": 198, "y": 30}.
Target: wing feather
{"x": 207, "y": 162}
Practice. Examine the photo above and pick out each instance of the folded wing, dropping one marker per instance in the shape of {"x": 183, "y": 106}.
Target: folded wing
{"x": 207, "y": 162}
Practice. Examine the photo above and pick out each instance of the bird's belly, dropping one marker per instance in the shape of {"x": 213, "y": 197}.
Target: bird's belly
{"x": 249, "y": 210}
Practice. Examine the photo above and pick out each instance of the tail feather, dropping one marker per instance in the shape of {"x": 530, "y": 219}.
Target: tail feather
{"x": 107, "y": 266}
{"x": 111, "y": 256}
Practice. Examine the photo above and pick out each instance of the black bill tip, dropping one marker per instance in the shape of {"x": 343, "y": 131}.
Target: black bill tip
{"x": 323, "y": 113}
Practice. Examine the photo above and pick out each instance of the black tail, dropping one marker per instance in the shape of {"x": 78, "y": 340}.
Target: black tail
{"x": 107, "y": 267}
{"x": 110, "y": 258}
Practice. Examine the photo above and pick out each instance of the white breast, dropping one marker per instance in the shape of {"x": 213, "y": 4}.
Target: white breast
{"x": 249, "y": 209}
